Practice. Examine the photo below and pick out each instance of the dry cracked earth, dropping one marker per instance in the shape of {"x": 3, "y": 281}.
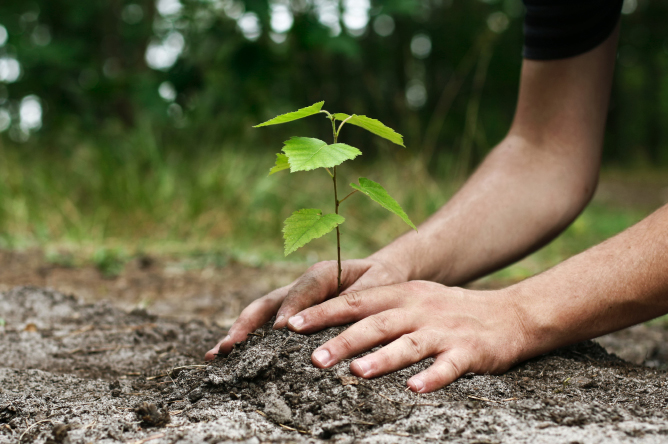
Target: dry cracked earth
{"x": 80, "y": 373}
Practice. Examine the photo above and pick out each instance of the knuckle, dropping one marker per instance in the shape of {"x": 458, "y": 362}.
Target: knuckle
{"x": 384, "y": 360}
{"x": 414, "y": 347}
{"x": 446, "y": 371}
{"x": 455, "y": 365}
{"x": 317, "y": 312}
{"x": 301, "y": 287}
{"x": 244, "y": 319}
{"x": 353, "y": 300}
{"x": 417, "y": 286}
{"x": 345, "y": 343}
{"x": 263, "y": 304}
{"x": 380, "y": 323}
{"x": 320, "y": 267}
{"x": 458, "y": 364}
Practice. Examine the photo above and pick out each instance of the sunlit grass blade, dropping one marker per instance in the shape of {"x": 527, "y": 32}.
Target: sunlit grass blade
{"x": 282, "y": 163}
{"x": 305, "y": 225}
{"x": 306, "y": 153}
{"x": 377, "y": 193}
{"x": 374, "y": 126}
{"x": 295, "y": 115}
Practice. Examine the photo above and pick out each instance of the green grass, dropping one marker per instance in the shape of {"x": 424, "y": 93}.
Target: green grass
{"x": 130, "y": 199}
{"x": 106, "y": 204}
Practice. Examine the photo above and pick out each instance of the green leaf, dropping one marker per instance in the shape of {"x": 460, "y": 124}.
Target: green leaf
{"x": 374, "y": 126}
{"x": 282, "y": 163}
{"x": 305, "y": 225}
{"x": 295, "y": 115}
{"x": 306, "y": 153}
{"x": 376, "y": 192}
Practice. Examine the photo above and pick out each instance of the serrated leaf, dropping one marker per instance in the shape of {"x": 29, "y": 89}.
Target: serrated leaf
{"x": 306, "y": 153}
{"x": 305, "y": 225}
{"x": 295, "y": 115}
{"x": 282, "y": 163}
{"x": 377, "y": 193}
{"x": 374, "y": 126}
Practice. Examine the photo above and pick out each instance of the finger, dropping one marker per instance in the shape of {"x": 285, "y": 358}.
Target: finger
{"x": 375, "y": 276}
{"x": 407, "y": 350}
{"x": 347, "y": 308}
{"x": 447, "y": 368}
{"x": 367, "y": 333}
{"x": 317, "y": 284}
{"x": 252, "y": 317}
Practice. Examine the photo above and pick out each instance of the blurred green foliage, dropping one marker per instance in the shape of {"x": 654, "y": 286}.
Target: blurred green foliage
{"x": 143, "y": 135}
{"x": 442, "y": 72}
{"x": 89, "y": 65}
{"x": 110, "y": 261}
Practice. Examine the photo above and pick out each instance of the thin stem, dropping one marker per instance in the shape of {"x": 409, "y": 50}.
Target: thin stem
{"x": 336, "y": 135}
{"x": 341, "y": 126}
{"x": 351, "y": 193}
{"x": 329, "y": 172}
{"x": 338, "y": 234}
{"x": 329, "y": 116}
{"x": 336, "y": 210}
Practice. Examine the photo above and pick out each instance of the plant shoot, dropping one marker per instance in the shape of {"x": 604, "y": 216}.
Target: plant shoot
{"x": 306, "y": 153}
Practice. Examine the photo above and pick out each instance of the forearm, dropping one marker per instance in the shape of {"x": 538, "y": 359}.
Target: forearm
{"x": 531, "y": 186}
{"x": 519, "y": 199}
{"x": 618, "y": 283}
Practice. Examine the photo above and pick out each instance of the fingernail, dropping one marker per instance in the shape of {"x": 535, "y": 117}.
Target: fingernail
{"x": 278, "y": 319}
{"x": 296, "y": 321}
{"x": 214, "y": 351}
{"x": 323, "y": 357}
{"x": 363, "y": 366}
{"x": 417, "y": 383}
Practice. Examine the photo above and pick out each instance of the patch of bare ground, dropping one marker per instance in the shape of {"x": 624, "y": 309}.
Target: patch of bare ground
{"x": 174, "y": 288}
{"x": 80, "y": 373}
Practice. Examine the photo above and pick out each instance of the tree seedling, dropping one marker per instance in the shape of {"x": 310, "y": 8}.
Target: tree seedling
{"x": 306, "y": 153}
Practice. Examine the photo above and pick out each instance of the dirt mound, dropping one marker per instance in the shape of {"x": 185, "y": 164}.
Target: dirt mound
{"x": 50, "y": 331}
{"x": 152, "y": 387}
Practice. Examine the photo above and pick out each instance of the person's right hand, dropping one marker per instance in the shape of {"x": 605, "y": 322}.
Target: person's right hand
{"x": 313, "y": 287}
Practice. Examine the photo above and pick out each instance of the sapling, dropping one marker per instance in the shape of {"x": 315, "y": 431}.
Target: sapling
{"x": 306, "y": 153}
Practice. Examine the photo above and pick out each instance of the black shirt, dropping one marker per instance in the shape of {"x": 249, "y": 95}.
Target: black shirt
{"x": 556, "y": 29}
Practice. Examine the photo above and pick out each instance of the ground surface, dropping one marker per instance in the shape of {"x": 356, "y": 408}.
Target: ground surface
{"x": 181, "y": 289}
{"x": 95, "y": 373}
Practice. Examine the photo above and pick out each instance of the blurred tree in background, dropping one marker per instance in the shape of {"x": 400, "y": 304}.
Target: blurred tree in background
{"x": 196, "y": 74}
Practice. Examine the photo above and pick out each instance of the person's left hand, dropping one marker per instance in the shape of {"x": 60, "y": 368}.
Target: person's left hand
{"x": 465, "y": 331}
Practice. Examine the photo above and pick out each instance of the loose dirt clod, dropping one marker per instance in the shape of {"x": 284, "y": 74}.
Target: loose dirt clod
{"x": 268, "y": 390}
{"x": 59, "y": 435}
{"x": 151, "y": 415}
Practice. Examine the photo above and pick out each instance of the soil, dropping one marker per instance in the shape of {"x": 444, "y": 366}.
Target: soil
{"x": 79, "y": 372}
{"x": 212, "y": 288}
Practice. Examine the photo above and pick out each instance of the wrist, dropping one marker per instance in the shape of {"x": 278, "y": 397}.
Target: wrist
{"x": 396, "y": 263}
{"x": 540, "y": 323}
{"x": 514, "y": 317}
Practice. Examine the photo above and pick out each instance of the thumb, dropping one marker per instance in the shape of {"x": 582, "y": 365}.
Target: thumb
{"x": 377, "y": 275}
{"x": 317, "y": 284}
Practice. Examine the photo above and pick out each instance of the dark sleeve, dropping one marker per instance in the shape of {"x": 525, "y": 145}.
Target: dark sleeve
{"x": 556, "y": 29}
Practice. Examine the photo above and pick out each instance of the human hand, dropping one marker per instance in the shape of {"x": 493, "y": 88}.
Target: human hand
{"x": 465, "y": 331}
{"x": 313, "y": 287}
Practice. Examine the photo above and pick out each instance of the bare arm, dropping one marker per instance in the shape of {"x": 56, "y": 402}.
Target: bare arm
{"x": 618, "y": 283}
{"x": 531, "y": 186}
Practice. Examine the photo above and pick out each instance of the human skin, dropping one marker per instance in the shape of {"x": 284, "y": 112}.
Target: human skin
{"x": 527, "y": 190}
